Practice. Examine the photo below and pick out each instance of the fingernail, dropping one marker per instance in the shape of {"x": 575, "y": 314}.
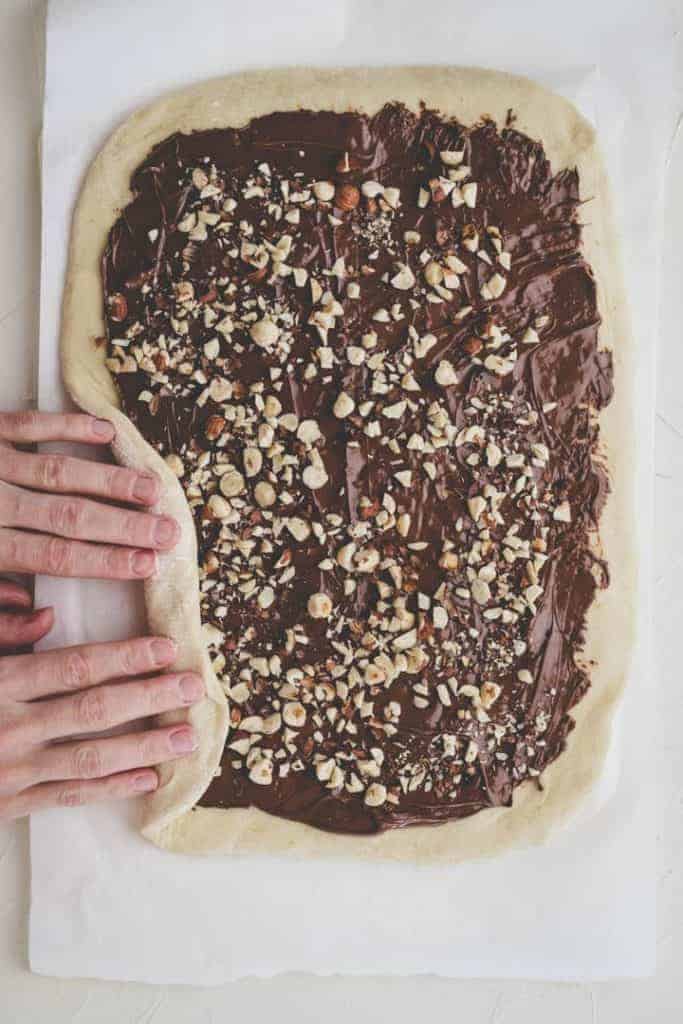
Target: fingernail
{"x": 145, "y": 782}
{"x": 146, "y": 487}
{"x": 163, "y": 650}
{"x": 165, "y": 531}
{"x": 183, "y": 741}
{"x": 102, "y": 428}
{"x": 191, "y": 688}
{"x": 143, "y": 563}
{"x": 38, "y": 614}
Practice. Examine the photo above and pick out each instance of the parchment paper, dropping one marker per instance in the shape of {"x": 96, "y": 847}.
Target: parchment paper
{"x": 107, "y": 904}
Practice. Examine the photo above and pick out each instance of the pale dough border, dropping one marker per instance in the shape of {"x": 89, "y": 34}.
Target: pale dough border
{"x": 172, "y": 596}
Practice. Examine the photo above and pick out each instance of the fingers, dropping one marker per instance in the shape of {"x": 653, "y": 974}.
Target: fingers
{"x": 27, "y": 677}
{"x": 62, "y": 474}
{"x": 86, "y": 520}
{"x": 12, "y": 595}
{"x": 104, "y": 707}
{"x": 23, "y": 629}
{"x": 55, "y": 556}
{"x": 32, "y": 427}
{"x": 74, "y": 794}
{"x": 96, "y": 758}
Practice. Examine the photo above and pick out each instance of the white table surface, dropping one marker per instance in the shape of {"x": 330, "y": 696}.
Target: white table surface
{"x": 24, "y": 996}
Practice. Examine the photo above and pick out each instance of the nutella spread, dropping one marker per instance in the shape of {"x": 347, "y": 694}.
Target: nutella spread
{"x": 368, "y": 348}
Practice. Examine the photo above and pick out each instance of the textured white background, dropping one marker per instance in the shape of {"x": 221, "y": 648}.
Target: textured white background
{"x": 24, "y": 996}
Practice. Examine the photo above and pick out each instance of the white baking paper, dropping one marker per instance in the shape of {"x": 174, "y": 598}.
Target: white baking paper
{"x": 107, "y": 904}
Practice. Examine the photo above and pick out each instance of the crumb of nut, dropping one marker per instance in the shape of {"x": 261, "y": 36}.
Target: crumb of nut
{"x": 496, "y": 286}
{"x": 452, "y": 157}
{"x": 473, "y": 346}
{"x": 346, "y": 164}
{"x": 472, "y": 752}
{"x": 118, "y": 307}
{"x": 371, "y": 189}
{"x": 470, "y": 237}
{"x": 308, "y": 431}
{"x": 356, "y": 355}
{"x": 433, "y": 273}
{"x": 232, "y": 483}
{"x": 265, "y": 332}
{"x": 266, "y": 598}
{"x": 323, "y": 191}
{"x": 218, "y": 507}
{"x": 214, "y": 427}
{"x": 424, "y": 345}
{"x": 489, "y": 693}
{"x": 562, "y": 513}
{"x": 481, "y": 591}
{"x": 375, "y": 794}
{"x": 261, "y": 771}
{"x": 315, "y": 476}
{"x": 445, "y": 374}
{"x": 175, "y": 464}
{"x": 347, "y": 197}
{"x": 294, "y": 714}
{"x": 298, "y": 528}
{"x": 404, "y": 279}
{"x": 494, "y": 455}
{"x": 343, "y": 406}
{"x": 391, "y": 196}
{"x": 200, "y": 178}
{"x": 265, "y": 494}
{"x": 319, "y": 606}
{"x": 450, "y": 561}
{"x": 469, "y": 194}
{"x": 253, "y": 461}
{"x": 403, "y": 524}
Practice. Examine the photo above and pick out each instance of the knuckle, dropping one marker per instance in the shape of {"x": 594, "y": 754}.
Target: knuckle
{"x": 66, "y": 517}
{"x": 57, "y": 556}
{"x": 129, "y": 659}
{"x": 15, "y": 777}
{"x": 86, "y": 762}
{"x": 117, "y": 481}
{"x": 159, "y": 694}
{"x": 112, "y": 562}
{"x": 52, "y": 472}
{"x": 13, "y": 551}
{"x": 134, "y": 528}
{"x": 71, "y": 794}
{"x": 12, "y": 504}
{"x": 23, "y": 421}
{"x": 8, "y": 738}
{"x": 9, "y": 459}
{"x": 150, "y": 748}
{"x": 90, "y": 709}
{"x": 75, "y": 674}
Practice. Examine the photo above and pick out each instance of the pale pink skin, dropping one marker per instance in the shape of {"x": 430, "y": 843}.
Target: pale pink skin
{"x": 47, "y": 698}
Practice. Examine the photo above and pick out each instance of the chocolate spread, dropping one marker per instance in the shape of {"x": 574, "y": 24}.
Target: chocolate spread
{"x": 368, "y": 347}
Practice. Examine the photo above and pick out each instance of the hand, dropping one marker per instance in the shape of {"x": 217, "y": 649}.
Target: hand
{"x": 73, "y": 536}
{"x": 47, "y": 698}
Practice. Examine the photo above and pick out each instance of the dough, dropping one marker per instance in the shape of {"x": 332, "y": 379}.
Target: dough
{"x": 172, "y": 596}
